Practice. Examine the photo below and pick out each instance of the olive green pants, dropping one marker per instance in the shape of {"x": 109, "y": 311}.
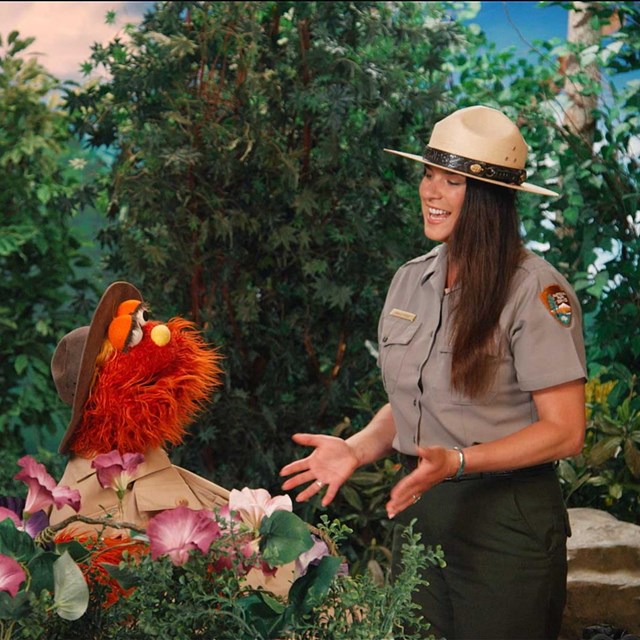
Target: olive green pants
{"x": 504, "y": 542}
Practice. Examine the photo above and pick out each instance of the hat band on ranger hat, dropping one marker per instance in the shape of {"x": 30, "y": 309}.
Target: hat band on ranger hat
{"x": 475, "y": 168}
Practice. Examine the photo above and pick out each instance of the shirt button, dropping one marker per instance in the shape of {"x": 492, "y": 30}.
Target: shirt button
{"x": 181, "y": 502}
{"x": 385, "y": 338}
{"x": 415, "y": 402}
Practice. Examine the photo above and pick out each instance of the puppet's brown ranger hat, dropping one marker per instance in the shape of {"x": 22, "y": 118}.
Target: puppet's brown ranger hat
{"x": 74, "y": 359}
{"x": 482, "y": 143}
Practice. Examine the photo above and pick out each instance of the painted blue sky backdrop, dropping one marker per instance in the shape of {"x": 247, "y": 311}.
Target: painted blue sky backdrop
{"x": 65, "y": 31}
{"x": 507, "y": 23}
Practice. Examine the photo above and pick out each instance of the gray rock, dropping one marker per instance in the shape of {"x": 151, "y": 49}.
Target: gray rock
{"x": 604, "y": 573}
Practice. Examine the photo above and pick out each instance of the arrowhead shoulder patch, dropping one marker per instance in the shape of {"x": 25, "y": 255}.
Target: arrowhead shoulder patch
{"x": 558, "y": 304}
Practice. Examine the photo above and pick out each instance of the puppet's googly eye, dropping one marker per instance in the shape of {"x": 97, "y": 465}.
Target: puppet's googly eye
{"x": 141, "y": 316}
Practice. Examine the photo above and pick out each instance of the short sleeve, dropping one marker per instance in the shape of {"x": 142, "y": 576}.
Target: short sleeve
{"x": 546, "y": 335}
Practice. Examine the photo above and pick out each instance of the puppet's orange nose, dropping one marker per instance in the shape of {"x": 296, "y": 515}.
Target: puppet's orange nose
{"x": 161, "y": 335}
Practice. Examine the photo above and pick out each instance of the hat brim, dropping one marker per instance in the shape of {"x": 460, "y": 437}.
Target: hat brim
{"x": 103, "y": 315}
{"x": 525, "y": 186}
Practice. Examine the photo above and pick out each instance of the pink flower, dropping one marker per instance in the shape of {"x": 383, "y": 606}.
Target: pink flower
{"x": 115, "y": 471}
{"x": 12, "y": 515}
{"x": 254, "y": 504}
{"x": 175, "y": 532}
{"x": 43, "y": 490}
{"x": 12, "y": 575}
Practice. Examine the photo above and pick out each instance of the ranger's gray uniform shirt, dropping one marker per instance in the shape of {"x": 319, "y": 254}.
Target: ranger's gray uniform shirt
{"x": 540, "y": 344}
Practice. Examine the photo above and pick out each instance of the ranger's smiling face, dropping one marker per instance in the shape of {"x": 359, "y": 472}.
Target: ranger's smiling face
{"x": 441, "y": 195}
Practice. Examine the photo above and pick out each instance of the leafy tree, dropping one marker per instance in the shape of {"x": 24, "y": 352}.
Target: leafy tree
{"x": 39, "y": 193}
{"x": 251, "y": 192}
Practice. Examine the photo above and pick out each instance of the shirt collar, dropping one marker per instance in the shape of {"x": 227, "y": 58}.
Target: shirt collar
{"x": 436, "y": 271}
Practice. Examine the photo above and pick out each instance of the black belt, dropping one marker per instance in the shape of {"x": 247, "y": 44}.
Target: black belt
{"x": 411, "y": 462}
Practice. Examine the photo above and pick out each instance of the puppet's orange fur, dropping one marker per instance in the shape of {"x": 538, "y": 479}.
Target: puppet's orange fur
{"x": 146, "y": 397}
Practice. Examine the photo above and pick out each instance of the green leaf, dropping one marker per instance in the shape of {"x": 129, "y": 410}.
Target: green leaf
{"x": 310, "y": 590}
{"x": 615, "y": 491}
{"x": 608, "y": 426}
{"x": 603, "y": 450}
{"x": 14, "y": 608}
{"x": 284, "y": 536}
{"x": 22, "y": 362}
{"x": 41, "y": 570}
{"x": 352, "y": 497}
{"x": 125, "y": 576}
{"x": 71, "y": 595}
{"x": 571, "y": 214}
{"x": 75, "y": 549}
{"x": 617, "y": 395}
{"x": 43, "y": 193}
{"x": 265, "y": 612}
{"x": 602, "y": 279}
{"x": 632, "y": 458}
{"x": 16, "y": 544}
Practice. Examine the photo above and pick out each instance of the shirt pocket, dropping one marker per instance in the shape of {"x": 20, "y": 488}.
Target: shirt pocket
{"x": 440, "y": 380}
{"x": 397, "y": 336}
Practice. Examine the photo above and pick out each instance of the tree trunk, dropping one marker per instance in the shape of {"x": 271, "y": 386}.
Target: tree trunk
{"x": 579, "y": 114}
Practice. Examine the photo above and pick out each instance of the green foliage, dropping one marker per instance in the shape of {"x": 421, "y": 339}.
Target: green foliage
{"x": 200, "y": 599}
{"x": 607, "y": 473}
{"x": 376, "y": 610}
{"x": 39, "y": 193}
{"x": 52, "y": 580}
{"x": 251, "y": 192}
{"x": 320, "y": 605}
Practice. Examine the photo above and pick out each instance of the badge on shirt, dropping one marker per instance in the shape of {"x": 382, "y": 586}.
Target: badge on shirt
{"x": 401, "y": 313}
{"x": 557, "y": 303}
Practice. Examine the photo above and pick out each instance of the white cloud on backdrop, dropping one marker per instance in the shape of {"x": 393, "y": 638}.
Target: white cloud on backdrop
{"x": 65, "y": 31}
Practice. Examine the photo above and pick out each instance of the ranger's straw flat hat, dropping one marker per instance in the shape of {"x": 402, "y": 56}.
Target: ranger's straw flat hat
{"x": 481, "y": 143}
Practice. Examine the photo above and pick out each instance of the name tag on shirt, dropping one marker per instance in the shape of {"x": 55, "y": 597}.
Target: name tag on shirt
{"x": 405, "y": 315}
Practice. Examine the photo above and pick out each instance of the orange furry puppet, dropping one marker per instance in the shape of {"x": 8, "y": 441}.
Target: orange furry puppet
{"x": 134, "y": 385}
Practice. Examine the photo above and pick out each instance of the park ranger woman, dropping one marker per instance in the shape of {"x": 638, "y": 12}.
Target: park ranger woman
{"x": 482, "y": 358}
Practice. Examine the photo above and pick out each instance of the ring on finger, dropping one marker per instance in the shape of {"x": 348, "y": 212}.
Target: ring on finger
{"x": 320, "y": 484}
{"x": 415, "y": 498}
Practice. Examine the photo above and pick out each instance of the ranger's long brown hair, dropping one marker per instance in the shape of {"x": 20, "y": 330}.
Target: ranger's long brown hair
{"x": 486, "y": 247}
